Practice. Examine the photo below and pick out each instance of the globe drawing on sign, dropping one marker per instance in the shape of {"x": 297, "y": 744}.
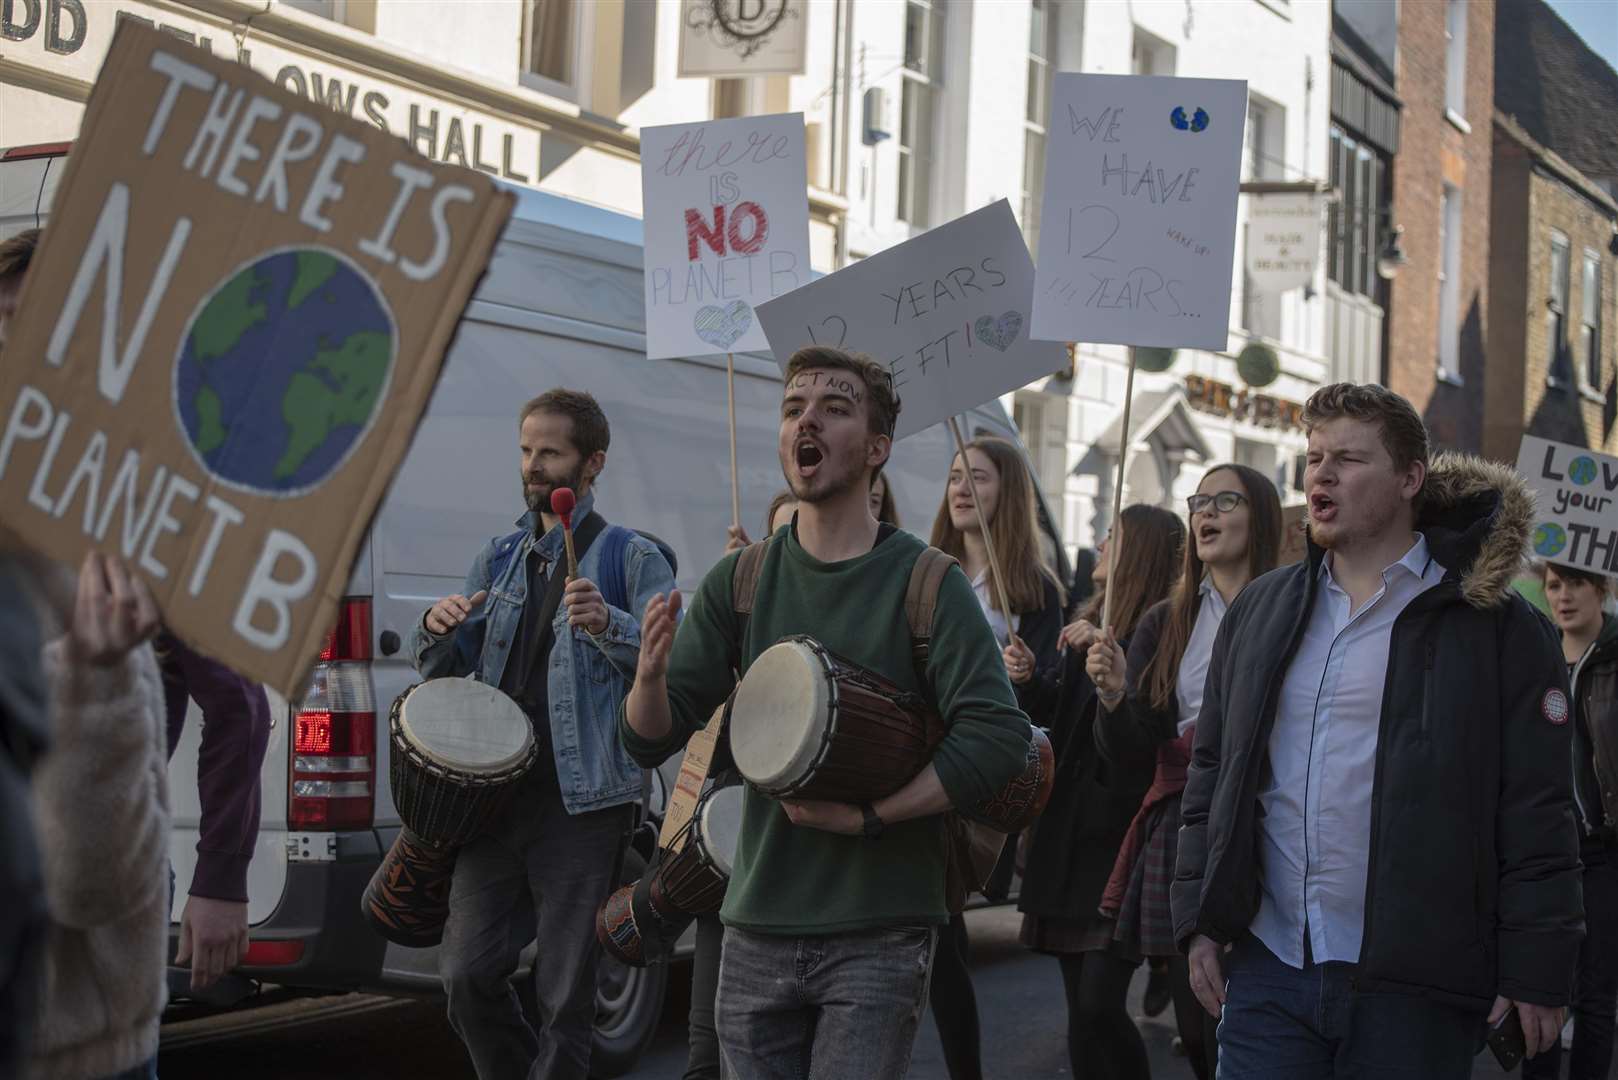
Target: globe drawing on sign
{"x": 1581, "y": 470}
{"x": 283, "y": 369}
{"x": 1549, "y": 540}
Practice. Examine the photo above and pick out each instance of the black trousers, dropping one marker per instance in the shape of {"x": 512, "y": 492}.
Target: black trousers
{"x": 955, "y": 1004}
{"x": 1595, "y": 993}
{"x": 703, "y": 1057}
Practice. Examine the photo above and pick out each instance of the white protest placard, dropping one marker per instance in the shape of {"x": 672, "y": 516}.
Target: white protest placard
{"x": 1576, "y": 497}
{"x": 1283, "y": 240}
{"x": 947, "y": 312}
{"x": 1138, "y": 237}
{"x": 726, "y": 213}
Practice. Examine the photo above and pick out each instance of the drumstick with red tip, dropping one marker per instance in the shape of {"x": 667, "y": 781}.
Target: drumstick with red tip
{"x": 562, "y": 503}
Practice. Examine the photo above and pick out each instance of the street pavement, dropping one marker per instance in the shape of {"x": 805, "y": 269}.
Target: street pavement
{"x": 359, "y": 1038}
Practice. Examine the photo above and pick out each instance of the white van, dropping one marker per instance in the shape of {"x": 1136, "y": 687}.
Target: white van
{"x": 561, "y": 305}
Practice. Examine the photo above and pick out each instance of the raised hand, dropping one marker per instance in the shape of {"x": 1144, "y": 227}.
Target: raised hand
{"x": 452, "y": 611}
{"x": 657, "y": 628}
{"x": 586, "y": 607}
{"x": 1105, "y": 664}
{"x": 1078, "y": 634}
{"x": 736, "y": 538}
{"x": 1019, "y": 660}
{"x": 113, "y": 613}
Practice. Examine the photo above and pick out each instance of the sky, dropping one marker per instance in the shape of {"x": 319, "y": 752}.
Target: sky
{"x": 1596, "y": 21}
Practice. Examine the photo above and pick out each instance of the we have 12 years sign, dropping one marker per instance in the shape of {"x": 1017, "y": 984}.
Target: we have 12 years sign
{"x": 223, "y": 347}
{"x": 1138, "y": 235}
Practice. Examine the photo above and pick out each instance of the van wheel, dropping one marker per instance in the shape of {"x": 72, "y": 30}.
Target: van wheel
{"x": 629, "y": 1002}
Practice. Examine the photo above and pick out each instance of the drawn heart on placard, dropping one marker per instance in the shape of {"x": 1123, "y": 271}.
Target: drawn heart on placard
{"x": 999, "y": 333}
{"x": 1198, "y": 121}
{"x": 721, "y": 327}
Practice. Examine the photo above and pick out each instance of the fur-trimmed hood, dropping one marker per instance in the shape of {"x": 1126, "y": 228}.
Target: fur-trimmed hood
{"x": 1477, "y": 516}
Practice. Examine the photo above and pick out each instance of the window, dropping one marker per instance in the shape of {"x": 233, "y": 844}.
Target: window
{"x": 1455, "y": 59}
{"x": 1356, "y": 213}
{"x": 1590, "y": 320}
{"x": 1556, "y": 314}
{"x": 1028, "y": 414}
{"x": 1041, "y": 68}
{"x": 549, "y": 41}
{"x": 1266, "y": 142}
{"x": 922, "y": 78}
{"x": 1449, "y": 284}
{"x": 326, "y": 9}
{"x": 1151, "y": 56}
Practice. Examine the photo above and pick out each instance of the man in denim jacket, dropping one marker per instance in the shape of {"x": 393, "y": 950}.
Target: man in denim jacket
{"x": 548, "y": 861}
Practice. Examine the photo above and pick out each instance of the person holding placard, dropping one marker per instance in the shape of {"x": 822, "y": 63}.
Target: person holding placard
{"x": 849, "y": 896}
{"x": 1590, "y": 647}
{"x": 1152, "y": 713}
{"x": 1378, "y": 851}
{"x": 1026, "y": 622}
{"x": 1077, "y": 838}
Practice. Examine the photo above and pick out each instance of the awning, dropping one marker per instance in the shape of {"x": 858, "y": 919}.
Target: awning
{"x": 1163, "y": 417}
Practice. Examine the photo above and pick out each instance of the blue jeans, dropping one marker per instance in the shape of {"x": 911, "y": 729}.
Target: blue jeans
{"x": 1281, "y": 1023}
{"x": 844, "y": 1006}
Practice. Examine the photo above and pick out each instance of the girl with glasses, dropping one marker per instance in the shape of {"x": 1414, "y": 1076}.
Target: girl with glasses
{"x": 1235, "y": 536}
{"x": 1076, "y": 840}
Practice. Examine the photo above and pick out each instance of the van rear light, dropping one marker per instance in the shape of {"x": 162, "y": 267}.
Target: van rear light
{"x": 332, "y": 771}
{"x": 272, "y": 953}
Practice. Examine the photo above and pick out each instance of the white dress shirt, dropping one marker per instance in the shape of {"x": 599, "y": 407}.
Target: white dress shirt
{"x": 997, "y": 618}
{"x": 1193, "y": 678}
{"x": 1315, "y": 809}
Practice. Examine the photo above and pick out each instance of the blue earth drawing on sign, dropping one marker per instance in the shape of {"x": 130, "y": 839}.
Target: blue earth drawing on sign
{"x": 283, "y": 369}
{"x": 1549, "y": 540}
{"x": 1581, "y": 470}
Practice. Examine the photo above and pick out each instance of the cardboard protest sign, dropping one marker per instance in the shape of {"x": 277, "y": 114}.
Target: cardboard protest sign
{"x": 1294, "y": 535}
{"x": 1138, "y": 238}
{"x": 225, "y": 342}
{"x": 1576, "y": 496}
{"x": 947, "y": 312}
{"x": 726, "y": 212}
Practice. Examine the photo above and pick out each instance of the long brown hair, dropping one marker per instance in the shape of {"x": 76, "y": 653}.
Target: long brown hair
{"x": 1148, "y": 566}
{"x": 1014, "y": 531}
{"x": 782, "y": 497}
{"x": 1162, "y": 674}
{"x": 888, "y": 513}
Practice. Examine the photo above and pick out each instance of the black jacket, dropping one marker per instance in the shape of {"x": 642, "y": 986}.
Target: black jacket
{"x": 1473, "y": 886}
{"x": 1092, "y": 802}
{"x": 1041, "y": 631}
{"x": 1595, "y": 736}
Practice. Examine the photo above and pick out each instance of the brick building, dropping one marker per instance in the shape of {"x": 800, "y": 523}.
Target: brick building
{"x": 1553, "y": 337}
{"x": 1438, "y": 306}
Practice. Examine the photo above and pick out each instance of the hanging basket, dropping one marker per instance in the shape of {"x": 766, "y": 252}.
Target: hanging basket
{"x": 1153, "y": 359}
{"x": 1258, "y": 365}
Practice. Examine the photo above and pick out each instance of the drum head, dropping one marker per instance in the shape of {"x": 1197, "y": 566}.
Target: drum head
{"x": 466, "y": 726}
{"x": 721, "y": 817}
{"x": 778, "y": 715}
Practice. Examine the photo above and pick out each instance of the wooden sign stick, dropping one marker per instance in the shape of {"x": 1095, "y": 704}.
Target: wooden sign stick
{"x": 735, "y": 482}
{"x": 983, "y": 525}
{"x": 1118, "y": 496}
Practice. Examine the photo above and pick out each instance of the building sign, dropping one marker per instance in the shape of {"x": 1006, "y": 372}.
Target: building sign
{"x": 70, "y": 38}
{"x": 223, "y": 347}
{"x": 1576, "y": 497}
{"x": 738, "y": 38}
{"x": 1222, "y": 399}
{"x": 1138, "y": 232}
{"x": 1283, "y": 240}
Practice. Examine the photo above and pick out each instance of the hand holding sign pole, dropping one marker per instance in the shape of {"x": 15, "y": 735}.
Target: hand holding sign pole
{"x": 1138, "y": 228}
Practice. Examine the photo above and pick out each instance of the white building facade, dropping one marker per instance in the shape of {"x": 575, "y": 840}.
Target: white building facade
{"x": 917, "y": 111}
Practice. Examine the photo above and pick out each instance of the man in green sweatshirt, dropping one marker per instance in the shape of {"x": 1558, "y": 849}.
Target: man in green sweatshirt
{"x": 832, "y": 912}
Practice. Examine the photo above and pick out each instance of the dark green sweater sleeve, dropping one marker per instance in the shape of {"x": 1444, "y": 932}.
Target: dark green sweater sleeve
{"x": 701, "y": 667}
{"x": 986, "y": 744}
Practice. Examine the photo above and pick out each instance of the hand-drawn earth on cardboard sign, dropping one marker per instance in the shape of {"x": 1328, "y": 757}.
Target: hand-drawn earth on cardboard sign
{"x": 282, "y": 369}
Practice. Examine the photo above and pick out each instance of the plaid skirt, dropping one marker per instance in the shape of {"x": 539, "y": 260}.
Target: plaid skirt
{"x": 1063, "y": 937}
{"x": 1145, "y": 925}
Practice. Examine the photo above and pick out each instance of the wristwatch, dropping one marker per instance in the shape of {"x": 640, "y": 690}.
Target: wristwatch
{"x": 873, "y": 824}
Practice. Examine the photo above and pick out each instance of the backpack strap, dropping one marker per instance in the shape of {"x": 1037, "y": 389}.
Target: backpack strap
{"x": 921, "y": 601}
{"x": 744, "y": 581}
{"x": 614, "y": 587}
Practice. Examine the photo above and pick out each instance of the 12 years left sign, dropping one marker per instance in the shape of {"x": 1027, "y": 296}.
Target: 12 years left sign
{"x": 232, "y": 327}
